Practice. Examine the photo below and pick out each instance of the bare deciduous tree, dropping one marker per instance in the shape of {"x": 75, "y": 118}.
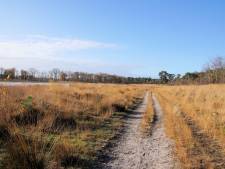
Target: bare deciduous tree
{"x": 24, "y": 74}
{"x": 2, "y": 70}
{"x": 33, "y": 72}
{"x": 54, "y": 73}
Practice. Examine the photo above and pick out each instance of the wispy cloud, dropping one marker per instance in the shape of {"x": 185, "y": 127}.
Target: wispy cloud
{"x": 46, "y": 47}
{"x": 45, "y": 53}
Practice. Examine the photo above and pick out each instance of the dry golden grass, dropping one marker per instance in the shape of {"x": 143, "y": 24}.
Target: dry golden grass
{"x": 177, "y": 130}
{"x": 77, "y": 119}
{"x": 148, "y": 116}
{"x": 194, "y": 118}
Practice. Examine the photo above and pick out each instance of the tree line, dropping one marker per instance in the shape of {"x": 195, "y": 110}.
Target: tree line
{"x": 213, "y": 72}
{"x": 56, "y": 74}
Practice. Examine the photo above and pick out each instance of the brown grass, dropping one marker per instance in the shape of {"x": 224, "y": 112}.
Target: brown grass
{"x": 148, "y": 116}
{"x": 82, "y": 116}
{"x": 195, "y": 120}
{"x": 59, "y": 126}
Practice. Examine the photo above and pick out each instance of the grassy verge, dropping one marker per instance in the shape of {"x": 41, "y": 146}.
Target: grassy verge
{"x": 194, "y": 119}
{"x": 177, "y": 130}
{"x": 148, "y": 116}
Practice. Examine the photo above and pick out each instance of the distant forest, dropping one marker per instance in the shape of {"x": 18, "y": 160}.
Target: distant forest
{"x": 213, "y": 72}
{"x": 56, "y": 74}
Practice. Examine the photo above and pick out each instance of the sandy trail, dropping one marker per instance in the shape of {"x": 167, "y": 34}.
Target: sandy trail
{"x": 134, "y": 151}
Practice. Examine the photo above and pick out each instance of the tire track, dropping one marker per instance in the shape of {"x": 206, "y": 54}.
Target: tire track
{"x": 205, "y": 147}
{"x": 135, "y": 151}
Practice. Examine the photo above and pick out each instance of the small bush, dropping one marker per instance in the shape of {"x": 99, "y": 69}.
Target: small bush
{"x": 27, "y": 103}
{"x": 24, "y": 153}
{"x": 4, "y": 133}
{"x": 62, "y": 123}
{"x": 119, "y": 107}
{"x": 30, "y": 116}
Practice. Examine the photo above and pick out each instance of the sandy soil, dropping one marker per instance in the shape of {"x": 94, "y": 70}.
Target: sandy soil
{"x": 135, "y": 151}
{"x": 22, "y": 83}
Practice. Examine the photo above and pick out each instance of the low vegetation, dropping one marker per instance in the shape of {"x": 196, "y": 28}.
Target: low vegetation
{"x": 148, "y": 116}
{"x": 60, "y": 126}
{"x": 194, "y": 118}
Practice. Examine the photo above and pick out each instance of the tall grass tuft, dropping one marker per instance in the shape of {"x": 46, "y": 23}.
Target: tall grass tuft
{"x": 24, "y": 152}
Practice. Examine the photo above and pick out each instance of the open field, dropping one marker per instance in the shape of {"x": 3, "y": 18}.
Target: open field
{"x": 194, "y": 118}
{"x": 112, "y": 84}
{"x": 81, "y": 125}
{"x": 60, "y": 125}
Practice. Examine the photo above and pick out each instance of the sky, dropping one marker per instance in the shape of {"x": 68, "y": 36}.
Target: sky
{"x": 124, "y": 37}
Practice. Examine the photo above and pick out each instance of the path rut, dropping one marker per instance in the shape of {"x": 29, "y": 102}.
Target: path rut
{"x": 135, "y": 151}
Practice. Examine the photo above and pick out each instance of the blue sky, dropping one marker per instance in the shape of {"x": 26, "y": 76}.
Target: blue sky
{"x": 126, "y": 37}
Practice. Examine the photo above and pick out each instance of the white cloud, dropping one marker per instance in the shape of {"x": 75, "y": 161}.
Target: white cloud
{"x": 83, "y": 64}
{"x": 44, "y": 53}
{"x": 43, "y": 47}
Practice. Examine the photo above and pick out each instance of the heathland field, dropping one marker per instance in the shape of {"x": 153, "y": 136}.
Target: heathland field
{"x": 60, "y": 125}
{"x": 195, "y": 120}
{"x": 81, "y": 125}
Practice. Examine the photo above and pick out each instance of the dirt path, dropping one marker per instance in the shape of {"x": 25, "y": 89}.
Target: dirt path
{"x": 134, "y": 151}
